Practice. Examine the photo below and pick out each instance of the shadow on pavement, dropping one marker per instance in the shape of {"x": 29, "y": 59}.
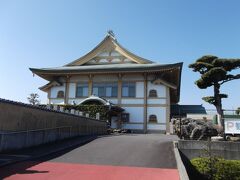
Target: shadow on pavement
{"x": 22, "y": 167}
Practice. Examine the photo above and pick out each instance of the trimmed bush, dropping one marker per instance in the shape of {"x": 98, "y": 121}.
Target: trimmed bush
{"x": 221, "y": 169}
{"x": 91, "y": 109}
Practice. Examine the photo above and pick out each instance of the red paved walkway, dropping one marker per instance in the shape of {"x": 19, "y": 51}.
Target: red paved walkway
{"x": 68, "y": 171}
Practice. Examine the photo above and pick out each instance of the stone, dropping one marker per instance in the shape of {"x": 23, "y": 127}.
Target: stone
{"x": 98, "y": 116}
{"x": 194, "y": 128}
{"x": 217, "y": 138}
{"x": 72, "y": 111}
{"x": 61, "y": 109}
{"x": 48, "y": 106}
{"x": 55, "y": 107}
{"x": 77, "y": 112}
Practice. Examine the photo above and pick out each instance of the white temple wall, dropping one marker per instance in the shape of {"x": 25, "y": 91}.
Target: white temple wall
{"x": 161, "y": 127}
{"x": 161, "y": 89}
{"x": 134, "y": 106}
{"x": 133, "y": 126}
{"x": 160, "y": 112}
{"x": 135, "y": 114}
{"x": 132, "y": 101}
{"x": 156, "y": 101}
{"x": 55, "y": 89}
{"x": 113, "y": 100}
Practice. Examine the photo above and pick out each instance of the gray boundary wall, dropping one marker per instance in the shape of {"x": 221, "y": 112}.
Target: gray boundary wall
{"x": 23, "y": 125}
{"x": 192, "y": 149}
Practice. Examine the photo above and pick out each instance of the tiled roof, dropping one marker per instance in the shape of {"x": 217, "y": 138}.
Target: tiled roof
{"x": 177, "y": 109}
{"x": 108, "y": 68}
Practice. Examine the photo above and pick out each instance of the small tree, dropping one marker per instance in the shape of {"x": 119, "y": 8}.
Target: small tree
{"x": 210, "y": 158}
{"x": 33, "y": 99}
{"x": 215, "y": 72}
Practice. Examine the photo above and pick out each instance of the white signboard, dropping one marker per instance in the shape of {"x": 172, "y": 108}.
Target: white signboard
{"x": 232, "y": 126}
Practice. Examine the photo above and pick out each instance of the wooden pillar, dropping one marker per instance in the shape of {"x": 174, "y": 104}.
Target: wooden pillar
{"x": 145, "y": 104}
{"x": 49, "y": 95}
{"x": 168, "y": 110}
{"x": 90, "y": 85}
{"x": 66, "y": 90}
{"x": 119, "y": 89}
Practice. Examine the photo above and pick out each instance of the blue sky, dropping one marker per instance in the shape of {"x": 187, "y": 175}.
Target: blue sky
{"x": 45, "y": 33}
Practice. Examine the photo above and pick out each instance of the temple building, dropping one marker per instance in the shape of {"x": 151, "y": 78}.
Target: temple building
{"x": 145, "y": 90}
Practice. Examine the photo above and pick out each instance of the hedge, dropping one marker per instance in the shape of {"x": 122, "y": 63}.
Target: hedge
{"x": 221, "y": 169}
{"x": 91, "y": 109}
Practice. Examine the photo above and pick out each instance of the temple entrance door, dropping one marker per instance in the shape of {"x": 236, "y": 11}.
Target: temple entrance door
{"x": 114, "y": 122}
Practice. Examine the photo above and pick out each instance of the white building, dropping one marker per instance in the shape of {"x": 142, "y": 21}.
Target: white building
{"x": 144, "y": 89}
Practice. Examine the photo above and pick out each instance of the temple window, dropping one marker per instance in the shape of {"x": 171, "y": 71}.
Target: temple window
{"x": 82, "y": 90}
{"x": 128, "y": 89}
{"x": 152, "y": 118}
{"x": 105, "y": 89}
{"x": 152, "y": 93}
{"x": 60, "y": 94}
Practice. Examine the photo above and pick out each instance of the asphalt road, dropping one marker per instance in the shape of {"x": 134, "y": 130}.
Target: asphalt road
{"x": 130, "y": 156}
{"x": 151, "y": 150}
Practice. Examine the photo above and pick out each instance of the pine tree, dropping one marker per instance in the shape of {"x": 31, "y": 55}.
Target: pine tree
{"x": 215, "y": 72}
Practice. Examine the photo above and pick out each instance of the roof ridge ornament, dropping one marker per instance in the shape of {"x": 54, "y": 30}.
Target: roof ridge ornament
{"x": 111, "y": 33}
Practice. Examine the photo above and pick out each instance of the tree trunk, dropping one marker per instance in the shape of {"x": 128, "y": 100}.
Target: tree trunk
{"x": 218, "y": 102}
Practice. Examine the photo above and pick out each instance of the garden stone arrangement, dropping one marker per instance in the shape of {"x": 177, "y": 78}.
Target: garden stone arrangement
{"x": 194, "y": 129}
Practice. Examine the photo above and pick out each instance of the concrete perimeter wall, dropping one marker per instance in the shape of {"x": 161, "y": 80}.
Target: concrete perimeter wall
{"x": 23, "y": 125}
{"x": 192, "y": 149}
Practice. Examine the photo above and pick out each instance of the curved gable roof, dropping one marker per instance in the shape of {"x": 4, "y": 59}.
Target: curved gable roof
{"x": 109, "y": 43}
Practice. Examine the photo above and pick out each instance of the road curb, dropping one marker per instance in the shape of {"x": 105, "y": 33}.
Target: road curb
{"x": 181, "y": 168}
{"x": 84, "y": 141}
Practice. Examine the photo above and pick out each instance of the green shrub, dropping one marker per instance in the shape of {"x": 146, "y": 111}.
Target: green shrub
{"x": 221, "y": 170}
{"x": 91, "y": 109}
